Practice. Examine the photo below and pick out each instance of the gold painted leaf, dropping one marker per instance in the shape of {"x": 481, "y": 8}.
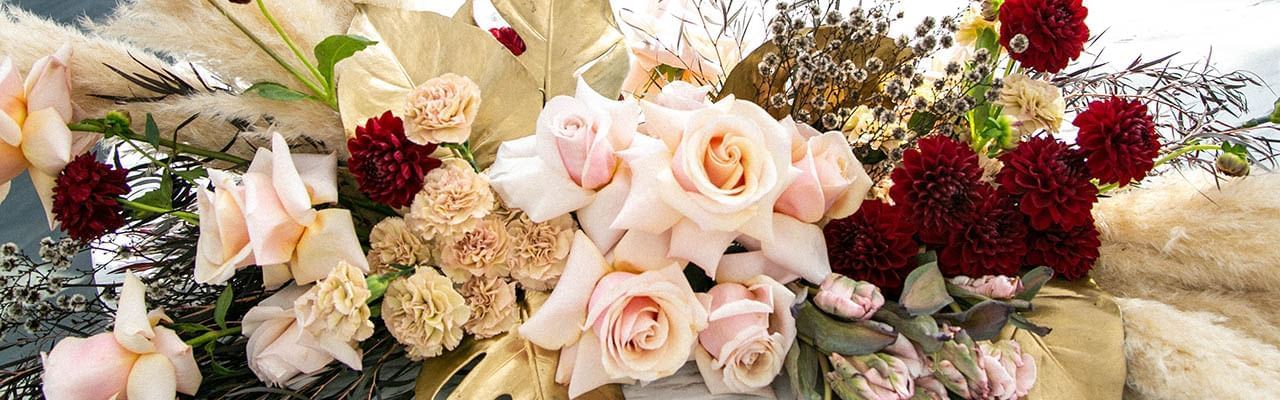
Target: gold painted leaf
{"x": 1083, "y": 358}
{"x": 415, "y": 46}
{"x": 565, "y": 37}
{"x": 508, "y": 366}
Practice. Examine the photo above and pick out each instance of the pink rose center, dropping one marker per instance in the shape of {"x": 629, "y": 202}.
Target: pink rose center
{"x": 638, "y": 328}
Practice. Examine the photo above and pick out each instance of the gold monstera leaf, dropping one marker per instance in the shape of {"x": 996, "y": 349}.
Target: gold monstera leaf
{"x": 1083, "y": 358}
{"x": 414, "y": 46}
{"x": 565, "y": 38}
{"x": 508, "y": 366}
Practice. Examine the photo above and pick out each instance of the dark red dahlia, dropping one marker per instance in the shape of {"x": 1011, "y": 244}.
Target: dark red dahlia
{"x": 991, "y": 241}
{"x": 937, "y": 184}
{"x": 1071, "y": 252}
{"x": 1054, "y": 29}
{"x": 1119, "y": 140}
{"x": 85, "y": 198}
{"x": 508, "y": 37}
{"x": 1049, "y": 182}
{"x": 388, "y": 167}
{"x": 874, "y": 245}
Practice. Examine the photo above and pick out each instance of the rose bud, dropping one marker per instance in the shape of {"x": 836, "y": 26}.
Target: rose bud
{"x": 1232, "y": 164}
{"x": 847, "y": 298}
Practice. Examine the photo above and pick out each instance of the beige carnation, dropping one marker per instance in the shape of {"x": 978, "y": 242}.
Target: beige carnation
{"x": 1033, "y": 104}
{"x": 392, "y": 243}
{"x": 538, "y": 250}
{"x": 441, "y": 110}
{"x": 452, "y": 199}
{"x": 425, "y": 313}
{"x": 481, "y": 251}
{"x": 990, "y": 167}
{"x": 493, "y": 306}
{"x": 336, "y": 307}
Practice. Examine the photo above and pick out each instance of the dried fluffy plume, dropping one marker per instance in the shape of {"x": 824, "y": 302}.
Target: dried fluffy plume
{"x": 195, "y": 31}
{"x": 1183, "y": 232}
{"x": 1205, "y": 359}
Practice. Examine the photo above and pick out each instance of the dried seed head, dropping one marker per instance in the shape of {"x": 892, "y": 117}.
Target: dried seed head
{"x": 1019, "y": 43}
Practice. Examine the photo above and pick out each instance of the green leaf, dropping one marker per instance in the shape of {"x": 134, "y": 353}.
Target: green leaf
{"x": 336, "y": 48}
{"x": 275, "y": 91}
{"x": 983, "y": 321}
{"x": 221, "y": 307}
{"x": 922, "y": 122}
{"x": 1021, "y": 322}
{"x": 803, "y": 371}
{"x": 152, "y": 132}
{"x": 161, "y": 197}
{"x": 847, "y": 338}
{"x": 1033, "y": 280}
{"x": 925, "y": 290}
{"x": 922, "y": 330}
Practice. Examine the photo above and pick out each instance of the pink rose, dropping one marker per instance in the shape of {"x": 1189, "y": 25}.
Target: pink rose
{"x": 573, "y": 155}
{"x": 138, "y": 360}
{"x": 749, "y": 331}
{"x": 848, "y": 298}
{"x": 223, "y": 246}
{"x": 630, "y": 323}
{"x": 33, "y": 125}
{"x": 993, "y": 286}
{"x": 832, "y": 183}
{"x": 681, "y": 95}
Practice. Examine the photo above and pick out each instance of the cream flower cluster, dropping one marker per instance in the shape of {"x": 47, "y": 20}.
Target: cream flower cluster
{"x": 425, "y": 313}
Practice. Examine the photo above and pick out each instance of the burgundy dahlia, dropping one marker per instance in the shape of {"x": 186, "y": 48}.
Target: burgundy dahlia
{"x": 937, "y": 185}
{"x": 1071, "y": 253}
{"x": 389, "y": 167}
{"x": 1055, "y": 31}
{"x": 508, "y": 37}
{"x": 1119, "y": 140}
{"x": 991, "y": 241}
{"x": 874, "y": 245}
{"x": 1049, "y": 182}
{"x": 84, "y": 198}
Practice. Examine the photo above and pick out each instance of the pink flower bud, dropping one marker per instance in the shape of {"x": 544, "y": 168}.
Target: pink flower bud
{"x": 848, "y": 298}
{"x": 993, "y": 286}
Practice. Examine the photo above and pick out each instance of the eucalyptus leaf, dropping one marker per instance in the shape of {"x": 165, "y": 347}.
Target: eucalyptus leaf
{"x": 830, "y": 335}
{"x": 982, "y": 321}
{"x": 804, "y": 372}
{"x": 925, "y": 290}
{"x": 336, "y": 48}
{"x": 1033, "y": 280}
{"x": 220, "y": 308}
{"x": 275, "y": 91}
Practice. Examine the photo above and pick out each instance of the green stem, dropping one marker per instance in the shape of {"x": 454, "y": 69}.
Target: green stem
{"x": 128, "y": 134}
{"x": 316, "y": 90}
{"x": 463, "y": 151}
{"x": 184, "y": 215}
{"x": 1165, "y": 160}
{"x": 825, "y": 367}
{"x": 289, "y": 42}
{"x": 211, "y": 336}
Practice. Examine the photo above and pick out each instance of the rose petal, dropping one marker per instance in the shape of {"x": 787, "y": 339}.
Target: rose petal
{"x": 643, "y": 251}
{"x": 567, "y": 304}
{"x": 523, "y": 181}
{"x": 44, "y": 185}
{"x": 332, "y": 238}
{"x": 133, "y": 329}
{"x": 275, "y": 275}
{"x": 96, "y": 367}
{"x": 803, "y": 198}
{"x": 13, "y": 106}
{"x": 319, "y": 174}
{"x": 12, "y": 162}
{"x": 798, "y": 247}
{"x": 152, "y": 378}
{"x": 179, "y": 354}
{"x": 588, "y": 371}
{"x": 272, "y": 232}
{"x": 597, "y": 217}
{"x": 46, "y": 141}
{"x": 742, "y": 267}
{"x": 4, "y": 191}
{"x": 645, "y": 208}
{"x": 289, "y": 186}
{"x": 701, "y": 247}
{"x": 48, "y": 85}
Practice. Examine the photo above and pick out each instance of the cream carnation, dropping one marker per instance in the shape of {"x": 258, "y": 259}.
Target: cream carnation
{"x": 481, "y": 251}
{"x": 493, "y": 305}
{"x": 538, "y": 250}
{"x": 425, "y": 313}
{"x": 391, "y": 243}
{"x": 452, "y": 199}
{"x": 336, "y": 309}
{"x": 441, "y": 110}
{"x": 1033, "y": 104}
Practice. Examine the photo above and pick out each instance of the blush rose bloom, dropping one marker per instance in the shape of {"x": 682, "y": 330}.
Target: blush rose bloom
{"x": 33, "y": 125}
{"x": 749, "y": 331}
{"x": 290, "y": 238}
{"x": 573, "y": 154}
{"x": 832, "y": 182}
{"x": 138, "y": 360}
{"x": 441, "y": 110}
{"x": 223, "y": 246}
{"x": 631, "y": 321}
{"x": 711, "y": 176}
{"x": 280, "y": 348}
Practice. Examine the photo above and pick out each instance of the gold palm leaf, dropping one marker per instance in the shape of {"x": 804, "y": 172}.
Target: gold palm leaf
{"x": 1083, "y": 358}
{"x": 568, "y": 37}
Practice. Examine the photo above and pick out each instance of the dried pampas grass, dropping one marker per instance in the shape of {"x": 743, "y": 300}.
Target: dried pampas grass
{"x": 1174, "y": 354}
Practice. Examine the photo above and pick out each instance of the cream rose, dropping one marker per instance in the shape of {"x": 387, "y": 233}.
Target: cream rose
{"x": 749, "y": 331}
{"x": 392, "y": 243}
{"x": 493, "y": 306}
{"x": 479, "y": 252}
{"x": 280, "y": 348}
{"x": 424, "y": 313}
{"x": 538, "y": 250}
{"x": 453, "y": 198}
{"x": 573, "y": 154}
{"x": 223, "y": 246}
{"x": 632, "y": 324}
{"x": 441, "y": 110}
{"x": 832, "y": 182}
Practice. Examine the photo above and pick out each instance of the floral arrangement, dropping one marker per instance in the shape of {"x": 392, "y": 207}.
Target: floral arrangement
{"x": 537, "y": 211}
